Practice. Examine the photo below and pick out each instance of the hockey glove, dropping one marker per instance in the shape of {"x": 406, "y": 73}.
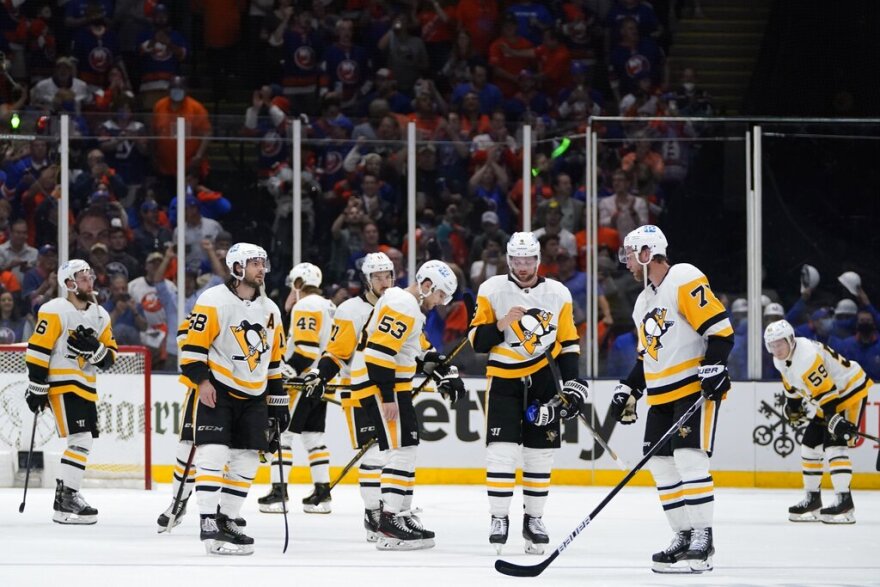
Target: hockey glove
{"x": 545, "y": 414}
{"x": 433, "y": 364}
{"x": 84, "y": 343}
{"x": 714, "y": 381}
{"x": 840, "y": 427}
{"x": 575, "y": 392}
{"x": 313, "y": 385}
{"x": 288, "y": 373}
{"x": 623, "y": 404}
{"x": 279, "y": 418}
{"x": 37, "y": 396}
{"x": 793, "y": 410}
{"x": 451, "y": 387}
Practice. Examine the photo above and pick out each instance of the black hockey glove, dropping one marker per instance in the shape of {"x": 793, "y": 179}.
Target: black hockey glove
{"x": 623, "y": 404}
{"x": 714, "y": 381}
{"x": 37, "y": 396}
{"x": 451, "y": 387}
{"x": 279, "y": 418}
{"x": 313, "y": 385}
{"x": 793, "y": 410}
{"x": 433, "y": 365}
{"x": 840, "y": 427}
{"x": 84, "y": 343}
{"x": 575, "y": 392}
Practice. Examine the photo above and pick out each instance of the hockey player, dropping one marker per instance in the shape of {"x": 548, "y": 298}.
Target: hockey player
{"x": 518, "y": 316}
{"x": 348, "y": 323}
{"x": 72, "y": 339}
{"x": 833, "y": 390}
{"x": 310, "y": 320}
{"x": 382, "y": 370}
{"x": 232, "y": 355}
{"x": 685, "y": 337}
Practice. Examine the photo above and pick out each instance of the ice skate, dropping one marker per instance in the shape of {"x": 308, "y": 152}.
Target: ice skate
{"x": 71, "y": 508}
{"x": 841, "y": 511}
{"x": 318, "y": 502}
{"x": 395, "y": 534}
{"x": 222, "y": 537}
{"x": 535, "y": 534}
{"x": 415, "y": 524}
{"x": 498, "y": 529}
{"x": 165, "y": 516}
{"x": 272, "y": 502}
{"x": 699, "y": 554}
{"x": 665, "y": 560}
{"x": 371, "y": 524}
{"x": 808, "y": 509}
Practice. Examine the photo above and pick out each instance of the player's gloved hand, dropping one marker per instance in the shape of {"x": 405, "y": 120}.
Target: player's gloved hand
{"x": 288, "y": 373}
{"x": 842, "y": 428}
{"x": 433, "y": 365}
{"x": 575, "y": 392}
{"x": 623, "y": 404}
{"x": 313, "y": 385}
{"x": 714, "y": 381}
{"x": 37, "y": 396}
{"x": 84, "y": 343}
{"x": 545, "y": 414}
{"x": 279, "y": 418}
{"x": 794, "y": 412}
{"x": 451, "y": 387}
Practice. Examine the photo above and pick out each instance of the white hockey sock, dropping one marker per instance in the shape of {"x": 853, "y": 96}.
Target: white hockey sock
{"x": 841, "y": 468}
{"x": 501, "y": 461}
{"x": 237, "y": 481}
{"x": 369, "y": 477}
{"x": 319, "y": 456}
{"x": 398, "y": 478}
{"x": 182, "y": 454}
{"x": 275, "y": 475}
{"x": 697, "y": 486}
{"x": 668, "y": 482}
{"x": 75, "y": 458}
{"x": 812, "y": 465}
{"x": 537, "y": 464}
{"x": 210, "y": 461}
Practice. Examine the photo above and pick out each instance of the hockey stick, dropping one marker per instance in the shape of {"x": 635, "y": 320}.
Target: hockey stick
{"x": 557, "y": 380}
{"x": 283, "y": 500}
{"x": 27, "y": 475}
{"x": 177, "y": 506}
{"x": 513, "y": 570}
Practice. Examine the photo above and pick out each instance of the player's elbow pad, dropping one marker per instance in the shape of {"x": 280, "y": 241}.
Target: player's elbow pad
{"x": 486, "y": 336}
{"x": 718, "y": 350}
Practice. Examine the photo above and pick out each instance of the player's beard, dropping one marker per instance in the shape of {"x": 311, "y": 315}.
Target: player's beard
{"x": 85, "y": 297}
{"x": 255, "y": 283}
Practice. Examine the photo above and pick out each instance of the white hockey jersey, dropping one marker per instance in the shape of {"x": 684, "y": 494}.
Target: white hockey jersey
{"x": 549, "y": 322}
{"x": 48, "y": 358}
{"x": 817, "y": 373}
{"x": 392, "y": 339}
{"x": 240, "y": 341}
{"x": 348, "y": 323}
{"x": 674, "y": 321}
{"x": 310, "y": 323}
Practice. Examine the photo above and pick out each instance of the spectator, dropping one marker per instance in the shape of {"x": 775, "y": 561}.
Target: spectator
{"x": 437, "y": 29}
{"x": 406, "y": 55}
{"x": 641, "y": 13}
{"x": 198, "y": 228}
{"x": 528, "y": 98}
{"x": 581, "y": 32}
{"x": 97, "y": 181}
{"x": 347, "y": 237}
{"x": 844, "y": 325}
{"x": 401, "y": 279}
{"x": 301, "y": 48}
{"x": 479, "y": 18}
{"x": 489, "y": 183}
{"x": 499, "y": 140}
{"x": 457, "y": 69}
{"x": 221, "y": 26}
{"x": 492, "y": 258}
{"x": 472, "y": 121}
{"x": 81, "y": 13}
{"x": 620, "y": 356}
{"x": 642, "y": 101}
{"x": 488, "y": 94}
{"x": 369, "y": 244}
{"x": 346, "y": 68}
{"x": 15, "y": 254}
{"x": 553, "y": 225}
{"x": 128, "y": 322}
{"x": 95, "y": 47}
{"x": 452, "y": 236}
{"x": 386, "y": 91}
{"x": 123, "y": 142}
{"x": 116, "y": 88}
{"x": 64, "y": 77}
{"x": 130, "y": 19}
{"x": 15, "y": 324}
{"x": 818, "y": 325}
{"x": 41, "y": 48}
{"x": 162, "y": 52}
{"x": 549, "y": 266}
{"x": 165, "y": 114}
{"x": 31, "y": 163}
{"x": 92, "y": 226}
{"x": 863, "y": 347}
{"x": 622, "y": 211}
{"x": 532, "y": 19}
{"x": 39, "y": 284}
{"x": 631, "y": 58}
{"x": 488, "y": 229}
{"x": 572, "y": 210}
{"x": 159, "y": 308}
{"x": 150, "y": 236}
{"x": 377, "y": 209}
{"x": 690, "y": 99}
{"x": 265, "y": 119}
{"x": 504, "y": 57}
{"x": 121, "y": 260}
{"x": 578, "y": 284}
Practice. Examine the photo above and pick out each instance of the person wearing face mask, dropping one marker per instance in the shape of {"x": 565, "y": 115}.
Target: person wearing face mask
{"x": 691, "y": 99}
{"x": 64, "y": 77}
{"x": 844, "y": 324}
{"x": 864, "y": 346}
{"x": 818, "y": 325}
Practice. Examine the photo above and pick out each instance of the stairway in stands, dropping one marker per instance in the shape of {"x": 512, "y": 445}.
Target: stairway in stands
{"x": 722, "y": 47}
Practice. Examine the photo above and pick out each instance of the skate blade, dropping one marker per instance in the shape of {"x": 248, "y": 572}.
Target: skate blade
{"x": 807, "y": 517}
{"x": 499, "y": 546}
{"x": 321, "y": 508}
{"x": 671, "y": 569}
{"x": 218, "y": 547}
{"x": 848, "y": 518}
{"x": 372, "y": 537}
{"x": 534, "y": 548}
{"x": 74, "y": 519}
{"x": 698, "y": 566}
{"x": 272, "y": 508}
{"x": 388, "y": 543}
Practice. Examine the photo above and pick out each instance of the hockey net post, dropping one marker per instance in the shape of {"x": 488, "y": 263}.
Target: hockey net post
{"x": 121, "y": 455}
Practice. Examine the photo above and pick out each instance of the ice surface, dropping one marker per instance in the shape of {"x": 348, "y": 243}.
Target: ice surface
{"x": 755, "y": 543}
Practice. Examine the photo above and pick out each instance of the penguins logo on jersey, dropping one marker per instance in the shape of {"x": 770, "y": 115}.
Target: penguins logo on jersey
{"x": 531, "y": 328}
{"x": 73, "y": 355}
{"x": 654, "y": 326}
{"x": 253, "y": 342}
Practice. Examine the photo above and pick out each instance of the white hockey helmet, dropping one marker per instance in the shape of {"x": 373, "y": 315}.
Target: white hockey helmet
{"x": 851, "y": 281}
{"x": 308, "y": 273}
{"x": 774, "y": 309}
{"x": 241, "y": 253}
{"x": 779, "y": 330}
{"x": 376, "y": 263}
{"x": 69, "y": 270}
{"x": 739, "y": 306}
{"x": 441, "y": 276}
{"x": 523, "y": 244}
{"x": 644, "y": 236}
{"x": 846, "y": 307}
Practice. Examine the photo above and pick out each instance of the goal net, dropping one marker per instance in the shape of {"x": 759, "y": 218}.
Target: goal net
{"x": 120, "y": 456}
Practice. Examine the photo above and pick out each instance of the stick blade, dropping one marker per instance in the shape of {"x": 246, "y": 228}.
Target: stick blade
{"x": 21, "y": 508}
{"x": 513, "y": 570}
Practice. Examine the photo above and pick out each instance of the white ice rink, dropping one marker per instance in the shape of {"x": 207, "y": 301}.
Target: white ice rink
{"x": 755, "y": 543}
